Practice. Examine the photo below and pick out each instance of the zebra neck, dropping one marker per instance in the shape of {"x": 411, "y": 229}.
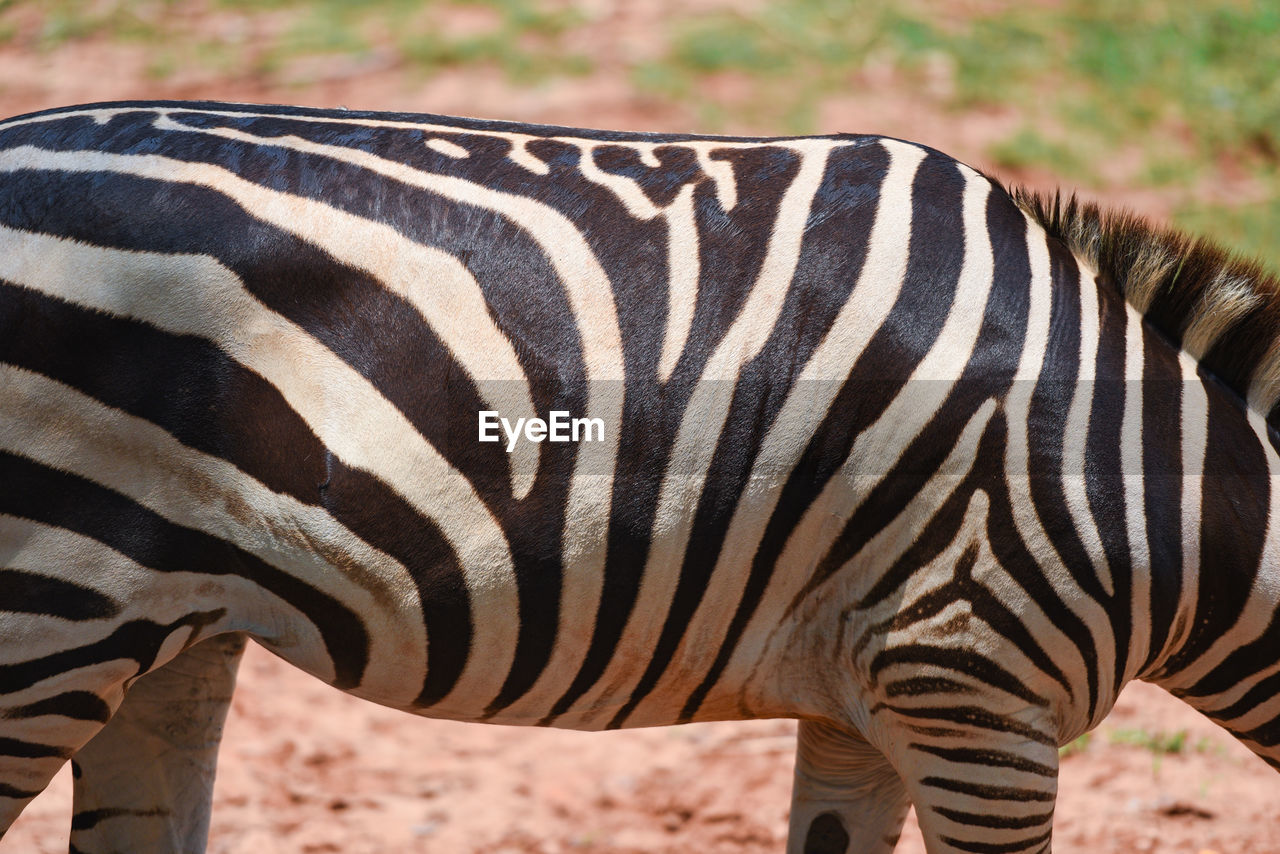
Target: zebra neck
{"x": 1220, "y": 655}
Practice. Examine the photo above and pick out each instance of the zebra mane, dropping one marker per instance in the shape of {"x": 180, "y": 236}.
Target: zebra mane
{"x": 1221, "y": 308}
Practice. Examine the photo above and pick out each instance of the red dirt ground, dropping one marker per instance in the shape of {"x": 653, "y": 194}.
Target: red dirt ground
{"x": 307, "y": 769}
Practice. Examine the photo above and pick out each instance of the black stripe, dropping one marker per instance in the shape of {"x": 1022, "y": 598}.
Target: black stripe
{"x": 78, "y": 705}
{"x": 826, "y": 835}
{"x": 1047, "y": 419}
{"x": 189, "y": 111}
{"x": 1103, "y": 474}
{"x": 378, "y": 515}
{"x": 915, "y": 686}
{"x": 1235, "y": 497}
{"x": 89, "y": 819}
{"x": 13, "y": 792}
{"x": 988, "y": 758}
{"x": 1265, "y": 735}
{"x": 31, "y": 750}
{"x": 1002, "y": 822}
{"x": 998, "y": 847}
{"x": 1266, "y": 689}
{"x": 964, "y": 661}
{"x": 1162, "y": 483}
{"x": 971, "y": 716}
{"x": 31, "y": 593}
{"x": 987, "y": 792}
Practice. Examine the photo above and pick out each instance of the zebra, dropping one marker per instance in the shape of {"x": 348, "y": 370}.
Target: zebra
{"x": 932, "y": 465}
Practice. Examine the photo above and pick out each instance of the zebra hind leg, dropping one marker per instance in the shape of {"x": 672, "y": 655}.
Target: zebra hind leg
{"x": 145, "y": 782}
{"x": 847, "y": 798}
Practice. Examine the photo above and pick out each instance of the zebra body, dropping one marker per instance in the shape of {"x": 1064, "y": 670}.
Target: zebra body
{"x": 878, "y": 453}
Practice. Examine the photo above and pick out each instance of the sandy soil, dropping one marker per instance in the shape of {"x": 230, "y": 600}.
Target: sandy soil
{"x": 307, "y": 769}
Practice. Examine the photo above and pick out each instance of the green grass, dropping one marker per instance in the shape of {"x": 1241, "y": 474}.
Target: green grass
{"x": 1076, "y": 746}
{"x": 1159, "y": 743}
{"x": 524, "y": 41}
{"x": 1207, "y": 70}
{"x": 1195, "y": 87}
{"x": 1251, "y": 228}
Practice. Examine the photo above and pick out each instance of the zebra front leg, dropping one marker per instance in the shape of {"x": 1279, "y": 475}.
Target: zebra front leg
{"x": 980, "y": 781}
{"x": 847, "y": 798}
{"x": 144, "y": 783}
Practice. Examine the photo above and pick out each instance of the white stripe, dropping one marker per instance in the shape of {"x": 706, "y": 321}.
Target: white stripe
{"x": 1195, "y": 442}
{"x": 1131, "y": 465}
{"x": 684, "y": 268}
{"x": 721, "y": 171}
{"x": 447, "y": 148}
{"x": 521, "y": 155}
{"x": 1076, "y": 434}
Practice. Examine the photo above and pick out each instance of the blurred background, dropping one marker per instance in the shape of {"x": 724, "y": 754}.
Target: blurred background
{"x": 1171, "y": 107}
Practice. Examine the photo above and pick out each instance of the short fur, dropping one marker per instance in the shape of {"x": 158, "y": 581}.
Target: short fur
{"x": 1222, "y": 309}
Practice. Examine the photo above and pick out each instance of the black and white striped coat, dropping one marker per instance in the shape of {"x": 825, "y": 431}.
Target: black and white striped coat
{"x": 878, "y": 453}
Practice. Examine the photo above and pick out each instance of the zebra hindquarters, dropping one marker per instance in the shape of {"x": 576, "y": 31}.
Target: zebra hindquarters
{"x": 145, "y": 782}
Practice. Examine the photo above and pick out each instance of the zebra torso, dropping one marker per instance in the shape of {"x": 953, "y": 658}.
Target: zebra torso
{"x": 870, "y": 443}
